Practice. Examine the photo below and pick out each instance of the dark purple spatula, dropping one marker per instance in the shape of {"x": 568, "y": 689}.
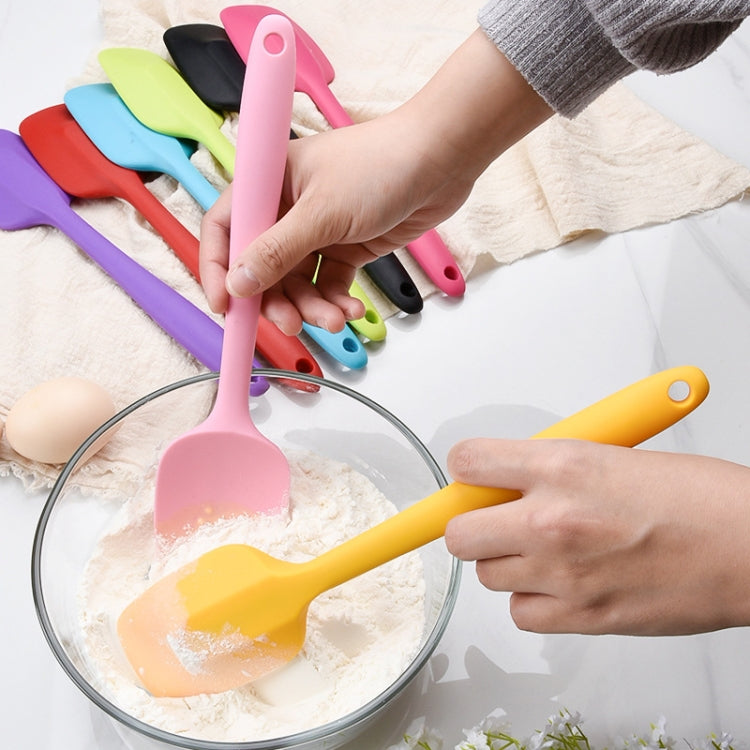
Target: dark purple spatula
{"x": 29, "y": 198}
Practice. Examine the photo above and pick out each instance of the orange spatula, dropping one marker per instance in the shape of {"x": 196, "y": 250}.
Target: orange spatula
{"x": 236, "y": 613}
{"x": 225, "y": 466}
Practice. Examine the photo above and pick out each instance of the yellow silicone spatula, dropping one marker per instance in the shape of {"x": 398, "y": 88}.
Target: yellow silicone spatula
{"x": 237, "y": 613}
{"x": 161, "y": 99}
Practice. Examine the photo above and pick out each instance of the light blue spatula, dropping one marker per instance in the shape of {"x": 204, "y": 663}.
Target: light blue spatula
{"x": 125, "y": 140}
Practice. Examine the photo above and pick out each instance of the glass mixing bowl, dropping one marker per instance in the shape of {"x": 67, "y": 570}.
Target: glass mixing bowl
{"x": 334, "y": 422}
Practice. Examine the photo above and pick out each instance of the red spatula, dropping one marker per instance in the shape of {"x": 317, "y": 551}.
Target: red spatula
{"x": 69, "y": 156}
{"x": 314, "y": 73}
{"x": 225, "y": 467}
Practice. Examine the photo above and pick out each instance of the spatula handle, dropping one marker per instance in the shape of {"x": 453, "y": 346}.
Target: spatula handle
{"x": 371, "y": 324}
{"x": 390, "y": 276}
{"x": 183, "y": 242}
{"x": 181, "y": 319}
{"x": 262, "y": 140}
{"x": 343, "y": 345}
{"x": 286, "y": 353}
{"x": 436, "y": 261}
{"x": 194, "y": 182}
{"x": 327, "y": 103}
{"x": 627, "y": 417}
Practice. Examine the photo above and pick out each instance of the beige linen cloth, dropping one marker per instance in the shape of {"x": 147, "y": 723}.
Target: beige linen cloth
{"x": 617, "y": 166}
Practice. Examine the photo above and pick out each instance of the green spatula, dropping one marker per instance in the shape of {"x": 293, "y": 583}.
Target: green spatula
{"x": 162, "y": 100}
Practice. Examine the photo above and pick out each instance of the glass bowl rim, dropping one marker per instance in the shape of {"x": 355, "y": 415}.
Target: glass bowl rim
{"x": 348, "y": 721}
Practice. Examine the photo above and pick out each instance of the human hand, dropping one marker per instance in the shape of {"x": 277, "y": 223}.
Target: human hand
{"x": 349, "y": 196}
{"x": 356, "y": 193}
{"x": 608, "y": 539}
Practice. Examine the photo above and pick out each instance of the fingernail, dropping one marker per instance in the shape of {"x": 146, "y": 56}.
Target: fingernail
{"x": 241, "y": 282}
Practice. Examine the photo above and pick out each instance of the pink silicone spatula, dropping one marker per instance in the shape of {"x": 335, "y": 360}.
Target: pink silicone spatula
{"x": 225, "y": 467}
{"x": 314, "y": 73}
{"x": 29, "y": 197}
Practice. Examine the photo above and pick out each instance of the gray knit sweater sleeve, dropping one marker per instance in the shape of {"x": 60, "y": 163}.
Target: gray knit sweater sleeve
{"x": 570, "y": 51}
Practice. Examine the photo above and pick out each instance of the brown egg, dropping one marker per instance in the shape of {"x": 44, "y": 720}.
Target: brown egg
{"x": 49, "y": 422}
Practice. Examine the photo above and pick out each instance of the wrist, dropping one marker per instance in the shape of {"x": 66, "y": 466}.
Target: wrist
{"x": 474, "y": 108}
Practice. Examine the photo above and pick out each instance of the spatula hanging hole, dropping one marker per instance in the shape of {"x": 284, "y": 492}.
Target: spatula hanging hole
{"x": 451, "y": 273}
{"x": 303, "y": 365}
{"x": 679, "y": 390}
{"x": 274, "y": 43}
{"x": 350, "y": 345}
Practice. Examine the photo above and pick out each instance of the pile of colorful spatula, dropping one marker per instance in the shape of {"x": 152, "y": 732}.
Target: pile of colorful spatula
{"x": 248, "y": 606}
{"x": 106, "y": 138}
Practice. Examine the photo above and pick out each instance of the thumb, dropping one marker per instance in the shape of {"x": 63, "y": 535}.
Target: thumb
{"x": 274, "y": 253}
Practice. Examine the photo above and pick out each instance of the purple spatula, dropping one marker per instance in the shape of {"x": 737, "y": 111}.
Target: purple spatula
{"x": 29, "y": 198}
{"x": 314, "y": 73}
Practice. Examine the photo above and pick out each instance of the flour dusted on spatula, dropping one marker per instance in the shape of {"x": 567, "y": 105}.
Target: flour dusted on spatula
{"x": 360, "y": 636}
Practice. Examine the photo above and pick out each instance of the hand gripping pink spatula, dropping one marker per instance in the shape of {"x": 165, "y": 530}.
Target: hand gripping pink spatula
{"x": 225, "y": 467}
{"x": 314, "y": 73}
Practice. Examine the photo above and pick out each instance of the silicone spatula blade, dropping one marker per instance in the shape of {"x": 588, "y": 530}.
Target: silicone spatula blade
{"x": 125, "y": 140}
{"x": 208, "y": 61}
{"x": 161, "y": 99}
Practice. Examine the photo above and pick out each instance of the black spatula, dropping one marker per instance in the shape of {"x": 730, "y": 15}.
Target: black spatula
{"x": 210, "y": 63}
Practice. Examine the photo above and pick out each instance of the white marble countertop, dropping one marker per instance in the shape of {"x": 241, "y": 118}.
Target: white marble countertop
{"x": 529, "y": 343}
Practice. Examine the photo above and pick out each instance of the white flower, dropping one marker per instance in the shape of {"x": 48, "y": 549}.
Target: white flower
{"x": 712, "y": 742}
{"x": 555, "y": 724}
{"x": 418, "y": 737}
{"x": 574, "y": 719}
{"x": 561, "y": 732}
{"x": 659, "y": 737}
{"x": 492, "y": 733}
{"x": 621, "y": 743}
{"x": 560, "y": 729}
{"x": 723, "y": 742}
{"x": 476, "y": 739}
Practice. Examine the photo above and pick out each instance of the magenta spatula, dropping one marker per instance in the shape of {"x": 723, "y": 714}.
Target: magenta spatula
{"x": 224, "y": 466}
{"x": 314, "y": 73}
{"x": 29, "y": 198}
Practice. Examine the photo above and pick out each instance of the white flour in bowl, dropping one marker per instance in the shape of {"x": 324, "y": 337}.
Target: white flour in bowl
{"x": 360, "y": 636}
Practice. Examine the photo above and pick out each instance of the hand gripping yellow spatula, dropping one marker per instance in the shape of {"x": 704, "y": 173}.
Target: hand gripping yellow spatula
{"x": 236, "y": 613}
